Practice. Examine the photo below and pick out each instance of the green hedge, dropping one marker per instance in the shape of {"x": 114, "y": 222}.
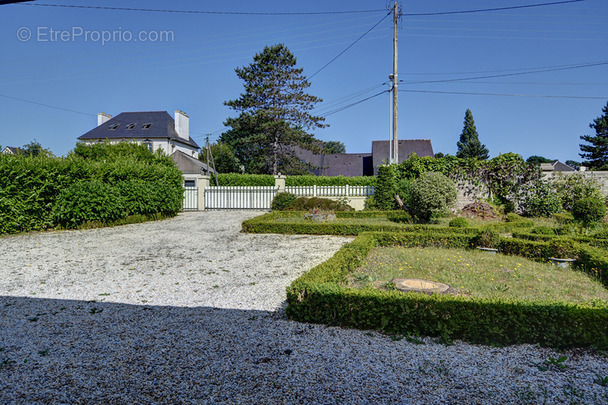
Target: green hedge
{"x": 319, "y": 296}
{"x": 236, "y": 179}
{"x": 38, "y": 193}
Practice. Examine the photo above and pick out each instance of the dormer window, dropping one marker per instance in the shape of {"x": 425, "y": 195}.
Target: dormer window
{"x": 114, "y": 127}
{"x": 130, "y": 126}
{"x": 147, "y": 125}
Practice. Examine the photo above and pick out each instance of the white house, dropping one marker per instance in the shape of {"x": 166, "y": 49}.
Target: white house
{"x": 156, "y": 129}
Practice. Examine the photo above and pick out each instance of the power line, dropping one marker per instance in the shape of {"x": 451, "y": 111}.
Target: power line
{"x": 46, "y": 105}
{"x": 502, "y": 70}
{"x": 154, "y": 10}
{"x": 502, "y": 94}
{"x": 355, "y": 103}
{"x": 350, "y": 46}
{"x": 483, "y": 10}
{"x": 509, "y": 74}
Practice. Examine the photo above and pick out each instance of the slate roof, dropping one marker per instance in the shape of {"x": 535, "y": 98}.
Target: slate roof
{"x": 363, "y": 164}
{"x": 556, "y": 166}
{"x": 189, "y": 165}
{"x": 132, "y": 125}
{"x": 381, "y": 150}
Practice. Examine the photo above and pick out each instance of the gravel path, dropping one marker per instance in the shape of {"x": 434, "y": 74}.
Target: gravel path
{"x": 187, "y": 310}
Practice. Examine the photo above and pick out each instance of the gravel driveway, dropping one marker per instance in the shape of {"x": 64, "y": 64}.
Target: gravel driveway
{"x": 186, "y": 311}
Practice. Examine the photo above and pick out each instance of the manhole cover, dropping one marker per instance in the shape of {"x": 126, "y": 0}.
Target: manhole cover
{"x": 418, "y": 285}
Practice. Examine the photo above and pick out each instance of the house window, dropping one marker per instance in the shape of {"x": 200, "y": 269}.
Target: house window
{"x": 148, "y": 144}
{"x": 189, "y": 183}
{"x": 130, "y": 126}
{"x": 146, "y": 125}
{"x": 114, "y": 127}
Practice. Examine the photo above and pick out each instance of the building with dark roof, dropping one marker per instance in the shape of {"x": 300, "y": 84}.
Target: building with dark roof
{"x": 363, "y": 164}
{"x": 11, "y": 150}
{"x": 156, "y": 129}
{"x": 556, "y": 166}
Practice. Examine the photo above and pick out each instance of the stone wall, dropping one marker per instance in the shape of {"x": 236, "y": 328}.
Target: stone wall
{"x": 601, "y": 178}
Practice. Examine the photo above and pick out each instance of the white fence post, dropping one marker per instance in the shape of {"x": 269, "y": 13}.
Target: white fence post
{"x": 202, "y": 183}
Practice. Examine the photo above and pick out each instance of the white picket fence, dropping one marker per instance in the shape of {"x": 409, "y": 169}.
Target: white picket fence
{"x": 331, "y": 191}
{"x": 236, "y": 197}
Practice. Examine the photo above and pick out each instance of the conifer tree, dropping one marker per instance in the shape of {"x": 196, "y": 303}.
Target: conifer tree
{"x": 469, "y": 145}
{"x": 597, "y": 152}
{"x": 274, "y": 114}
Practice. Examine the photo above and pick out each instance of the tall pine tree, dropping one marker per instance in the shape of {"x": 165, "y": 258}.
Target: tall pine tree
{"x": 469, "y": 145}
{"x": 274, "y": 114}
{"x": 597, "y": 153}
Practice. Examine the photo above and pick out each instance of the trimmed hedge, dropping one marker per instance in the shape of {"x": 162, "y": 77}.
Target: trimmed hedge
{"x": 38, "y": 193}
{"x": 237, "y": 179}
{"x": 319, "y": 296}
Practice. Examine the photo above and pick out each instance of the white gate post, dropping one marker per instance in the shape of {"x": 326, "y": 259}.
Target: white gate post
{"x": 279, "y": 183}
{"x": 203, "y": 183}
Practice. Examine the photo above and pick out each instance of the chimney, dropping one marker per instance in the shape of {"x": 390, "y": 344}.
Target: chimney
{"x": 182, "y": 124}
{"x": 102, "y": 118}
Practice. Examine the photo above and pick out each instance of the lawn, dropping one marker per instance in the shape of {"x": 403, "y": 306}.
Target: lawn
{"x": 478, "y": 274}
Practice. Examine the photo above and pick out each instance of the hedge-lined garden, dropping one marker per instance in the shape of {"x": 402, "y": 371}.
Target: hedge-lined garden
{"x": 322, "y": 295}
{"x": 99, "y": 184}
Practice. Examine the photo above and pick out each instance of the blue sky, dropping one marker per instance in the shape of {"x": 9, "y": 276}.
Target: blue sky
{"x": 193, "y": 68}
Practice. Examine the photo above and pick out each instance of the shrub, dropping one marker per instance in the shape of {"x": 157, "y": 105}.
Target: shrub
{"x": 562, "y": 248}
{"x": 489, "y": 238}
{"x": 542, "y": 230}
{"x": 430, "y": 194}
{"x": 574, "y": 187}
{"x": 88, "y": 201}
{"x": 385, "y": 189}
{"x": 588, "y": 210}
{"x": 513, "y": 217}
{"x": 400, "y": 217}
{"x": 237, "y": 179}
{"x": 458, "y": 222}
{"x": 282, "y": 201}
{"x": 538, "y": 199}
{"x": 323, "y": 204}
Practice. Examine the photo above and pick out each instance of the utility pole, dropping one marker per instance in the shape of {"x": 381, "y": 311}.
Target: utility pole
{"x": 210, "y": 160}
{"x": 395, "y": 88}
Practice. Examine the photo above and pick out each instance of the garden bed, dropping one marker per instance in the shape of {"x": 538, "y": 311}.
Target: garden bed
{"x": 323, "y": 295}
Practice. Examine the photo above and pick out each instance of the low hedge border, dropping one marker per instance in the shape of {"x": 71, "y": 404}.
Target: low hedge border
{"x": 319, "y": 297}
{"x": 266, "y": 224}
{"x": 602, "y": 243}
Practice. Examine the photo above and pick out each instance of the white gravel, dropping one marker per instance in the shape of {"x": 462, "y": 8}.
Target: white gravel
{"x": 187, "y": 311}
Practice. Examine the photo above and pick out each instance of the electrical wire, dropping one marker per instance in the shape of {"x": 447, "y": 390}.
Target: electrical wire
{"x": 501, "y": 70}
{"x": 584, "y": 65}
{"x": 154, "y": 10}
{"x": 46, "y": 105}
{"x": 484, "y": 10}
{"x": 337, "y": 110}
{"x": 502, "y": 94}
{"x": 348, "y": 47}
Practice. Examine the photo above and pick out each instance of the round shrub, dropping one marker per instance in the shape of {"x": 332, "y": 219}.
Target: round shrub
{"x": 431, "y": 193}
{"x": 588, "y": 210}
{"x": 282, "y": 201}
{"x": 458, "y": 222}
{"x": 513, "y": 217}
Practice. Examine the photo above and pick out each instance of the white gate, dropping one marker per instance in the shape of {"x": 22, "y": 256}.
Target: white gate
{"x": 239, "y": 198}
{"x": 190, "y": 198}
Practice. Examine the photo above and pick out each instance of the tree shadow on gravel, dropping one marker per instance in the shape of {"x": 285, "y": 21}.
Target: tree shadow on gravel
{"x": 71, "y": 351}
